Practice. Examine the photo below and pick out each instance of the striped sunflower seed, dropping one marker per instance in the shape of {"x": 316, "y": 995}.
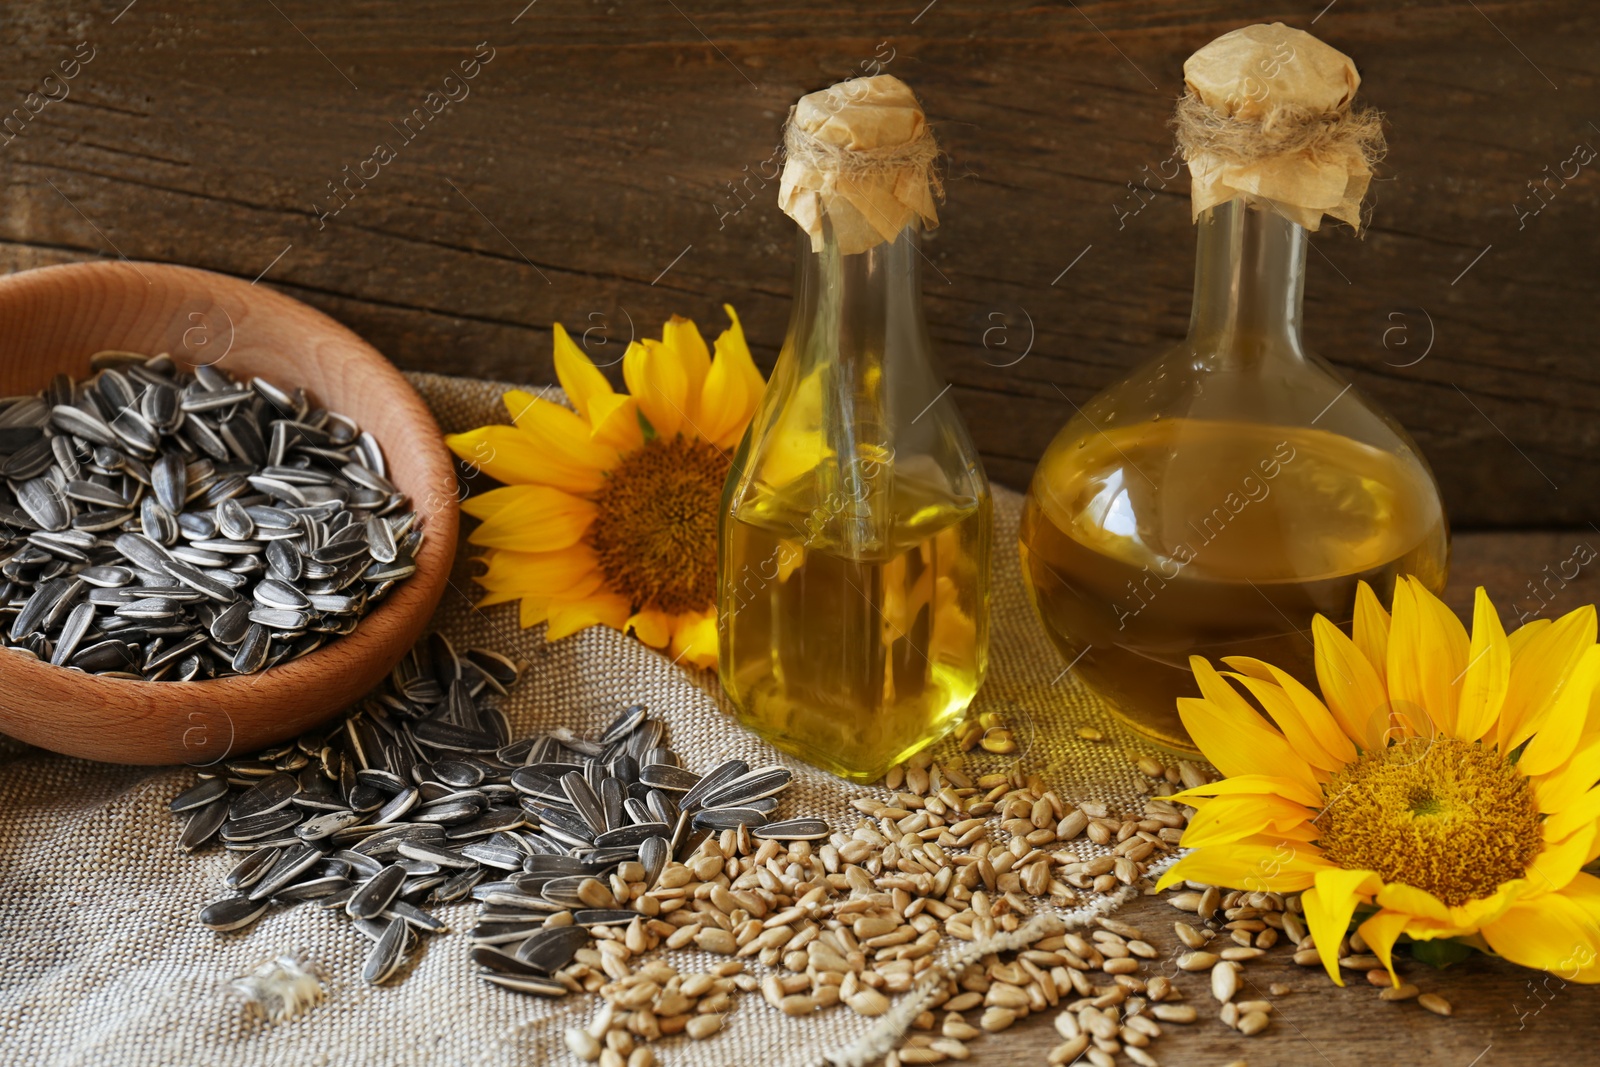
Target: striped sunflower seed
{"x": 155, "y": 479}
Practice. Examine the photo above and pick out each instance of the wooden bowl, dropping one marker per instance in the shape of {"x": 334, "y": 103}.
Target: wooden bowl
{"x": 53, "y": 320}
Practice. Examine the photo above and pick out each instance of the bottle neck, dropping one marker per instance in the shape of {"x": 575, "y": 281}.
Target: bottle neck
{"x": 1249, "y": 284}
{"x": 855, "y": 311}
{"x": 863, "y": 364}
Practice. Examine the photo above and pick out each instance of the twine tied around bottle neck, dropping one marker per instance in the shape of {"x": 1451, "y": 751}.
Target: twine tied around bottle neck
{"x": 861, "y": 155}
{"x": 915, "y": 156}
{"x": 1285, "y": 130}
{"x": 1267, "y": 114}
{"x": 1345, "y": 140}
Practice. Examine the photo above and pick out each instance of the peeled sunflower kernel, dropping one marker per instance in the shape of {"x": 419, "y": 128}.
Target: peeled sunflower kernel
{"x": 1225, "y": 980}
{"x": 1435, "y": 1003}
{"x": 999, "y": 742}
{"x": 996, "y": 1019}
{"x": 1252, "y": 1023}
{"x": 582, "y": 1045}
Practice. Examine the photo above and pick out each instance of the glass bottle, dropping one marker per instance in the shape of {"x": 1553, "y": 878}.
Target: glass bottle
{"x": 1216, "y": 499}
{"x": 854, "y": 563}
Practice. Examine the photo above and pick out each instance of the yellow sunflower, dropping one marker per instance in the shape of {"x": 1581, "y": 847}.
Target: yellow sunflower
{"x": 1444, "y": 785}
{"x": 609, "y": 511}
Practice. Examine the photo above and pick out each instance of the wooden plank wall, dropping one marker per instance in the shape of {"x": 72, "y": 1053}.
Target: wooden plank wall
{"x": 608, "y": 164}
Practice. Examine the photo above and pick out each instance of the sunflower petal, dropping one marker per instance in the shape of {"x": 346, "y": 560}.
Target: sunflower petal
{"x": 1474, "y": 913}
{"x": 1232, "y": 818}
{"x": 652, "y": 627}
{"x": 733, "y": 388}
{"x": 1554, "y": 934}
{"x": 532, "y": 611}
{"x": 561, "y": 434}
{"x": 1518, "y": 639}
{"x": 1282, "y": 713}
{"x": 1329, "y": 905}
{"x": 1370, "y": 631}
{"x": 1584, "y": 891}
{"x": 1585, "y": 810}
{"x": 534, "y": 518}
{"x": 1305, "y": 721}
{"x": 659, "y": 383}
{"x": 682, "y": 337}
{"x": 1261, "y": 863}
{"x": 1397, "y": 896}
{"x": 1539, "y": 666}
{"x": 1262, "y": 784}
{"x": 492, "y": 598}
{"x": 1427, "y": 656}
{"x": 1483, "y": 691}
{"x": 1563, "y": 726}
{"x": 615, "y": 419}
{"x": 489, "y": 504}
{"x": 568, "y": 617}
{"x": 537, "y": 573}
{"x": 476, "y": 447}
{"x": 508, "y": 455}
{"x": 695, "y": 639}
{"x": 1558, "y": 789}
{"x": 1584, "y": 894}
{"x": 1380, "y": 931}
{"x": 1558, "y": 864}
{"x": 1464, "y": 920}
{"x": 1240, "y": 741}
{"x": 580, "y": 379}
{"x": 1215, "y": 689}
{"x": 1351, "y": 685}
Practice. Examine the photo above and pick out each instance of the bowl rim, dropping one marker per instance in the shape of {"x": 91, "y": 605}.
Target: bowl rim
{"x": 417, "y": 595}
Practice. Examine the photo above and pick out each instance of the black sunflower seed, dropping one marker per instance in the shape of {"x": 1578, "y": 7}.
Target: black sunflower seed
{"x": 420, "y": 795}
{"x": 232, "y": 913}
{"x": 728, "y": 771}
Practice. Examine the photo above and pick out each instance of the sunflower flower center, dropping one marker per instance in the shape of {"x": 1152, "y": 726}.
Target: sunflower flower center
{"x": 1438, "y": 814}
{"x": 655, "y": 531}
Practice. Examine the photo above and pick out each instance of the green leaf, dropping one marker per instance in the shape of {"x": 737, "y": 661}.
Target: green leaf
{"x": 644, "y": 424}
{"x": 1440, "y": 952}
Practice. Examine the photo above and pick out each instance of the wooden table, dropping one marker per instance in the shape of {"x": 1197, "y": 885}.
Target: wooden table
{"x": 1503, "y": 1015}
{"x": 610, "y": 164}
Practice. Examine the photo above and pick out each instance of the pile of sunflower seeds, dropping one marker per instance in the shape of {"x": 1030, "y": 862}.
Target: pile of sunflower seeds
{"x": 866, "y": 914}
{"x": 158, "y": 524}
{"x": 420, "y": 796}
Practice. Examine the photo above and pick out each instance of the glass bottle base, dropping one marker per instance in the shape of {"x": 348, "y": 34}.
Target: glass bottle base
{"x": 1165, "y": 738}
{"x": 1144, "y": 546}
{"x": 848, "y": 753}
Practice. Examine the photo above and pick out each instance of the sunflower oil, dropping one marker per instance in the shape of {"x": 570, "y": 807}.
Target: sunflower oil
{"x": 853, "y": 657}
{"x": 853, "y": 556}
{"x": 1221, "y": 495}
{"x": 1149, "y": 543}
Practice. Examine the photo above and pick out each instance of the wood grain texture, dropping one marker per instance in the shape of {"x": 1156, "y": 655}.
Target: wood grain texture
{"x": 1502, "y": 1014}
{"x": 55, "y": 319}
{"x": 611, "y": 164}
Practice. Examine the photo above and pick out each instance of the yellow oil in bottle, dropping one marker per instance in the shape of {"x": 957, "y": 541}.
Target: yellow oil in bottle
{"x": 854, "y": 658}
{"x": 1154, "y": 542}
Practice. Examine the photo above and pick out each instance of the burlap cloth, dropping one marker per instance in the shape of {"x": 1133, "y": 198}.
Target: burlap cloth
{"x": 102, "y": 961}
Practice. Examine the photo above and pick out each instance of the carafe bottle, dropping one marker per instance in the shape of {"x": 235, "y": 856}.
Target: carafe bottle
{"x": 1219, "y": 497}
{"x": 854, "y": 562}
